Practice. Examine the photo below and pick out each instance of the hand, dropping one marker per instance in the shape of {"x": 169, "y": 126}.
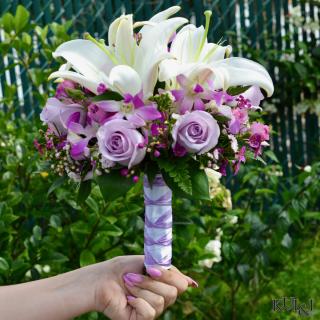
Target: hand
{"x": 115, "y": 287}
{"x": 123, "y": 293}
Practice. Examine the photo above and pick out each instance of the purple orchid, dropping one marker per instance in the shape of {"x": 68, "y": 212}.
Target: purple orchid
{"x": 254, "y": 95}
{"x": 259, "y": 135}
{"x": 132, "y": 108}
{"x": 58, "y": 115}
{"x": 189, "y": 97}
{"x": 79, "y": 137}
{"x": 240, "y": 158}
{"x": 240, "y": 118}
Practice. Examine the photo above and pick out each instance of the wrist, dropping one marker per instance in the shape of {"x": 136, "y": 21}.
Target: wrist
{"x": 75, "y": 291}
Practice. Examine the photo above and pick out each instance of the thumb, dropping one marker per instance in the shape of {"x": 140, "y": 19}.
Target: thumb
{"x": 142, "y": 309}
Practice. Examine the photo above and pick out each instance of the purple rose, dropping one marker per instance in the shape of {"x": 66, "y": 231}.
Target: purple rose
{"x": 58, "y": 116}
{"x": 197, "y": 132}
{"x": 120, "y": 142}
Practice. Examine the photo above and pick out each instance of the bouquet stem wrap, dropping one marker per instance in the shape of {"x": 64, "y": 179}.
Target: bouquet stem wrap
{"x": 158, "y": 223}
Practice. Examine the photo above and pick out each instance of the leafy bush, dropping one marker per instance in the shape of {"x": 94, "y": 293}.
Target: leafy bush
{"x": 269, "y": 241}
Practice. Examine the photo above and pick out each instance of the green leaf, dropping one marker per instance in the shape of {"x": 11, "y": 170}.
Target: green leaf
{"x": 286, "y": 241}
{"x": 21, "y": 18}
{"x": 4, "y": 265}
{"x": 111, "y": 230}
{"x": 75, "y": 94}
{"x": 87, "y": 258}
{"x": 243, "y": 270}
{"x": 312, "y": 215}
{"x": 108, "y": 95}
{"x": 7, "y": 22}
{"x": 113, "y": 185}
{"x": 37, "y": 233}
{"x": 56, "y": 184}
{"x": 234, "y": 91}
{"x": 84, "y": 191}
{"x": 271, "y": 155}
{"x": 178, "y": 172}
{"x": 174, "y": 186}
{"x": 200, "y": 184}
{"x": 55, "y": 221}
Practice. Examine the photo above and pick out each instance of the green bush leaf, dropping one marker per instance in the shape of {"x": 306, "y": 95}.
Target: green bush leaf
{"x": 113, "y": 185}
{"x": 86, "y": 258}
{"x": 84, "y": 191}
{"x": 21, "y": 18}
{"x": 56, "y": 184}
{"x": 7, "y": 22}
{"x": 4, "y": 265}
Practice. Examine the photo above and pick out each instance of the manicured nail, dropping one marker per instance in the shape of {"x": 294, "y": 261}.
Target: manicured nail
{"x": 127, "y": 281}
{"x": 134, "y": 277}
{"x": 153, "y": 272}
{"x": 130, "y": 298}
{"x": 194, "y": 283}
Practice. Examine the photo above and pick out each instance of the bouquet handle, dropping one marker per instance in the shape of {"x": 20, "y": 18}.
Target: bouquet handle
{"x": 158, "y": 223}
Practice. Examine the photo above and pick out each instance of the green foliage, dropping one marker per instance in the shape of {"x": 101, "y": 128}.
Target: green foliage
{"x": 113, "y": 185}
{"x": 36, "y": 64}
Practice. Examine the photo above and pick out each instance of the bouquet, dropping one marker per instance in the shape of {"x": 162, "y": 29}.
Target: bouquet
{"x": 159, "y": 103}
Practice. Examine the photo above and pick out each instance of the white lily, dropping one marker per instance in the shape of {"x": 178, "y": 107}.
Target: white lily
{"x": 93, "y": 62}
{"x": 199, "y": 60}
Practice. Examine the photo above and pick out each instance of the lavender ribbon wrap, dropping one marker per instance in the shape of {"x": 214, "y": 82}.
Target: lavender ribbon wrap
{"x": 158, "y": 223}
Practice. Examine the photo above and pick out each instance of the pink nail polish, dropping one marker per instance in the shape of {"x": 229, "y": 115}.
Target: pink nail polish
{"x": 134, "y": 277}
{"x": 127, "y": 281}
{"x": 130, "y": 298}
{"x": 153, "y": 272}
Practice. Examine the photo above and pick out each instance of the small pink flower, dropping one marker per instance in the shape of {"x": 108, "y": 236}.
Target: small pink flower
{"x": 259, "y": 134}
{"x": 237, "y": 124}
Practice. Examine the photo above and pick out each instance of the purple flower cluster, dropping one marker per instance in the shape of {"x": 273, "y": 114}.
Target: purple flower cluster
{"x": 94, "y": 135}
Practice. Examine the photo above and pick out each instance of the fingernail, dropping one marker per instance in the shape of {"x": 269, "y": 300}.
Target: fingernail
{"x": 153, "y": 272}
{"x": 194, "y": 283}
{"x": 130, "y": 298}
{"x": 132, "y": 278}
{"x": 127, "y": 281}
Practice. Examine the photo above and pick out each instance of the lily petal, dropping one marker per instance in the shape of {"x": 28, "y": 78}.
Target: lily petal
{"x": 185, "y": 46}
{"x": 88, "y": 83}
{"x": 163, "y": 15}
{"x": 125, "y": 43}
{"x": 240, "y": 71}
{"x": 85, "y": 57}
{"x": 125, "y": 80}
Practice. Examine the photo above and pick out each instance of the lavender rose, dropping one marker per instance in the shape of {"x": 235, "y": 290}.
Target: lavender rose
{"x": 120, "y": 142}
{"x": 196, "y": 132}
{"x": 58, "y": 116}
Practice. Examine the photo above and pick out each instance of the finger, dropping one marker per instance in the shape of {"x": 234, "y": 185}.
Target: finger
{"x": 156, "y": 301}
{"x": 169, "y": 277}
{"x": 143, "y": 310}
{"x": 168, "y": 292}
{"x": 191, "y": 282}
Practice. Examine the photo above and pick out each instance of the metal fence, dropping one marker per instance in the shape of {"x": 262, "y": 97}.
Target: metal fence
{"x": 297, "y": 135}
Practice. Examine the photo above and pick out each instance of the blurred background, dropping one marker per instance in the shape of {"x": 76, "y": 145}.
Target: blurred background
{"x": 256, "y": 241}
